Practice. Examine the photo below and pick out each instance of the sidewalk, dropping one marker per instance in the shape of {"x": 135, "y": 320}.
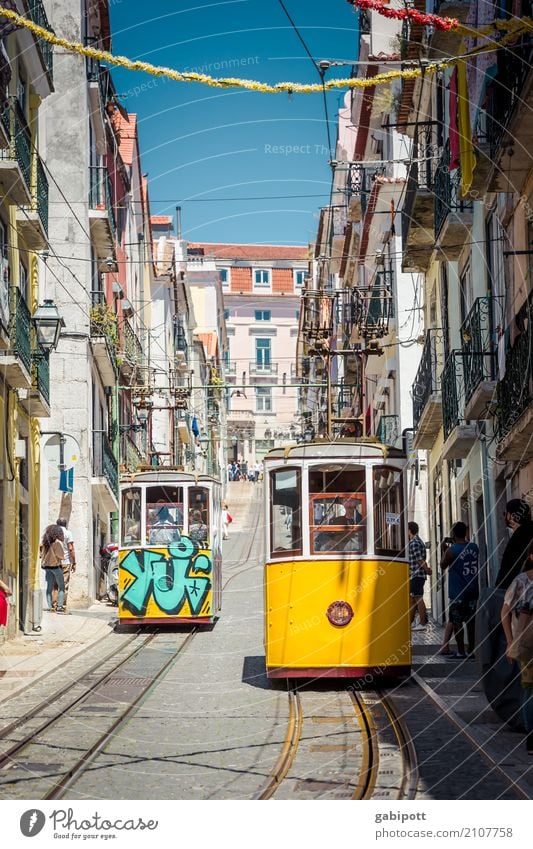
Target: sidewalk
{"x": 26, "y": 659}
{"x": 457, "y": 685}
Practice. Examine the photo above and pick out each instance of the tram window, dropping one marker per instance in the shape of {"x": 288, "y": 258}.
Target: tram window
{"x": 164, "y": 514}
{"x": 131, "y": 517}
{"x": 338, "y": 523}
{"x": 388, "y": 511}
{"x": 350, "y": 479}
{"x": 198, "y": 514}
{"x": 285, "y": 513}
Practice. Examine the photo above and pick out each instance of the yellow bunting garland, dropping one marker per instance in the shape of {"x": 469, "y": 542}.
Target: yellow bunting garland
{"x": 249, "y": 85}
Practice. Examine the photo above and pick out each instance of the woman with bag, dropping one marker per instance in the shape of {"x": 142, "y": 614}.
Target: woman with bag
{"x": 226, "y": 520}
{"x": 4, "y": 593}
{"x": 51, "y": 562}
{"x": 517, "y": 622}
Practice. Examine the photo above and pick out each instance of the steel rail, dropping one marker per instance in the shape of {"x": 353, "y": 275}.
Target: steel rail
{"x": 7, "y": 756}
{"x": 289, "y": 748}
{"x": 81, "y": 766}
{"x": 42, "y": 705}
{"x": 369, "y": 767}
{"x": 410, "y": 774}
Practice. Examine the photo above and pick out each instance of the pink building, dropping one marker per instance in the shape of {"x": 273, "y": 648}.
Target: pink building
{"x": 261, "y": 286}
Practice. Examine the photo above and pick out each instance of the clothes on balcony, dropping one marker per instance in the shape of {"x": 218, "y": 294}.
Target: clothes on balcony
{"x": 453, "y": 131}
{"x": 515, "y": 555}
{"x": 468, "y": 158}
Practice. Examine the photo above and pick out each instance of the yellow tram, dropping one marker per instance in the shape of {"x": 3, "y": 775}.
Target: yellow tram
{"x": 336, "y": 576}
{"x": 170, "y": 548}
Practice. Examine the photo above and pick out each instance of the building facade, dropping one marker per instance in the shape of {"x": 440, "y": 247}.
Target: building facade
{"x": 261, "y": 287}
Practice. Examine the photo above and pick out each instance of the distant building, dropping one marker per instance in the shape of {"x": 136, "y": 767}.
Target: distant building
{"x": 261, "y": 286}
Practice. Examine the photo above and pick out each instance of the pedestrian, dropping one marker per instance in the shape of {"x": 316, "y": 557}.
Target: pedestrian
{"x": 516, "y": 616}
{"x": 257, "y": 471}
{"x": 5, "y": 592}
{"x": 418, "y": 572}
{"x": 448, "y": 628}
{"x": 226, "y": 520}
{"x": 51, "y": 561}
{"x": 461, "y": 562}
{"x": 69, "y": 561}
{"x": 517, "y": 516}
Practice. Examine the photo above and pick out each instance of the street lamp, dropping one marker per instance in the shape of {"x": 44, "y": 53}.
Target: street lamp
{"x": 48, "y": 324}
{"x": 204, "y": 444}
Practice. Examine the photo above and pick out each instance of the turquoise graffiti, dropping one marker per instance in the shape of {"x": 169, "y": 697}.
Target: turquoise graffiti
{"x": 172, "y": 577}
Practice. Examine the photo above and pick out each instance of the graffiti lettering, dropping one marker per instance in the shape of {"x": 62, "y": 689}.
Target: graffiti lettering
{"x": 173, "y": 577}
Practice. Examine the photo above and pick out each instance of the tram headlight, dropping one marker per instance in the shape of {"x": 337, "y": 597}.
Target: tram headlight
{"x": 339, "y": 613}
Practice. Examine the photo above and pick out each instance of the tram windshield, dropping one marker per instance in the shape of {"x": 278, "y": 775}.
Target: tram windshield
{"x": 388, "y": 511}
{"x": 337, "y": 510}
{"x": 286, "y": 521}
{"x": 164, "y": 514}
{"x": 131, "y": 517}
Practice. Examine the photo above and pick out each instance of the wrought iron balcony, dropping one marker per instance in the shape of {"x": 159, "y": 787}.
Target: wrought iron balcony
{"x": 104, "y": 462}
{"x": 104, "y": 342}
{"x": 16, "y": 158}
{"x": 359, "y": 186}
{"x": 39, "y": 404}
{"x": 131, "y": 456}
{"x": 479, "y": 359}
{"x": 388, "y": 430}
{"x": 101, "y": 213}
{"x": 378, "y": 306}
{"x": 427, "y": 400}
{"x": 508, "y": 116}
{"x": 453, "y": 214}
{"x": 132, "y": 353}
{"x": 345, "y": 400}
{"x": 16, "y": 362}
{"x": 515, "y": 392}
{"x": 458, "y": 434}
{"x": 37, "y": 14}
{"x": 418, "y": 212}
{"x": 32, "y": 219}
{"x": 349, "y": 315}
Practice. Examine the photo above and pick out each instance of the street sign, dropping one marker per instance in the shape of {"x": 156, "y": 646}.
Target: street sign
{"x": 52, "y": 450}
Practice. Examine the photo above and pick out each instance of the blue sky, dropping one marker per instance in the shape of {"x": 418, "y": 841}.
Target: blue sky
{"x": 213, "y": 144}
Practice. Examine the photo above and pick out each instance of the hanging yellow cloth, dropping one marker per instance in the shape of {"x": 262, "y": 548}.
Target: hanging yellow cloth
{"x": 466, "y": 148}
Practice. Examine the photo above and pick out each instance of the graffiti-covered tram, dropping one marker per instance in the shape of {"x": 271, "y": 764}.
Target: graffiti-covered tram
{"x": 336, "y": 577}
{"x": 170, "y": 548}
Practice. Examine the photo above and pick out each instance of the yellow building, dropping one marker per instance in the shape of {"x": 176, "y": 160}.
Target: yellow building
{"x": 25, "y": 80}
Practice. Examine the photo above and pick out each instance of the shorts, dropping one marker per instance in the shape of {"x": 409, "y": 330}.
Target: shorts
{"x": 416, "y": 587}
{"x": 462, "y": 611}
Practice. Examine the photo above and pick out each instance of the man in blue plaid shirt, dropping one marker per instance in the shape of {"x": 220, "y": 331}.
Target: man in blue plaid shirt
{"x": 419, "y": 570}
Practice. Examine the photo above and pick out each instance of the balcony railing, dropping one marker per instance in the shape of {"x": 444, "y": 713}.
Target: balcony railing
{"x": 447, "y": 191}
{"x": 505, "y": 92}
{"x": 41, "y": 374}
{"x": 38, "y": 16}
{"x": 130, "y": 455}
{"x": 379, "y": 306}
{"x": 100, "y": 194}
{"x": 388, "y": 430}
{"x": 360, "y": 182}
{"x": 453, "y": 392}
{"x": 479, "y": 355}
{"x": 426, "y": 381}
{"x": 132, "y": 349}
{"x": 104, "y": 461}
{"x": 20, "y": 329}
{"x": 263, "y": 368}
{"x": 515, "y": 390}
{"x": 230, "y": 369}
{"x": 19, "y": 138}
{"x": 345, "y": 400}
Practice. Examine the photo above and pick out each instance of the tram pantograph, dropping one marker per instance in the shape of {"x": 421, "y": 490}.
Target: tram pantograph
{"x": 336, "y": 576}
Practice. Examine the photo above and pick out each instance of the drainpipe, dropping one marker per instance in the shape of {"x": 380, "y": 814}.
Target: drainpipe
{"x": 488, "y": 507}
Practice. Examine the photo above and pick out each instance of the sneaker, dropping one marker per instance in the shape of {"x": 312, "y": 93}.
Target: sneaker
{"x": 62, "y": 610}
{"x": 419, "y": 627}
{"x": 457, "y": 656}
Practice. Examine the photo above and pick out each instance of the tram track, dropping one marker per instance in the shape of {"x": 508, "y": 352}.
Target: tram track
{"x": 53, "y": 731}
{"x": 371, "y": 733}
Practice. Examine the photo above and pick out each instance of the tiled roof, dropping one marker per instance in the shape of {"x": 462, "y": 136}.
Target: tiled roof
{"x": 258, "y": 252}
{"x": 210, "y": 342}
{"x": 282, "y": 281}
{"x": 161, "y": 220}
{"x": 241, "y": 279}
{"x": 127, "y": 129}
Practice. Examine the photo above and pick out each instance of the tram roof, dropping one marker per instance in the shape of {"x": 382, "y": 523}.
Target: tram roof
{"x": 169, "y": 476}
{"x": 347, "y": 449}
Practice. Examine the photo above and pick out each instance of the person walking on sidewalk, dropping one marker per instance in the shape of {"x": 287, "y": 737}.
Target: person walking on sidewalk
{"x": 419, "y": 570}
{"x": 68, "y": 563}
{"x": 518, "y": 518}
{"x": 4, "y": 593}
{"x": 461, "y": 561}
{"x": 51, "y": 560}
{"x": 517, "y": 613}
